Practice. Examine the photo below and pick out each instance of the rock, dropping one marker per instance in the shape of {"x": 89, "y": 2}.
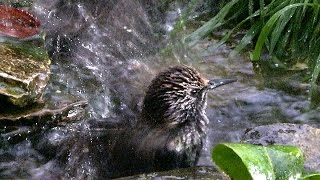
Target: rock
{"x": 24, "y": 72}
{"x": 204, "y": 172}
{"x": 43, "y": 114}
{"x": 20, "y": 124}
{"x": 306, "y": 137}
{"x": 24, "y": 62}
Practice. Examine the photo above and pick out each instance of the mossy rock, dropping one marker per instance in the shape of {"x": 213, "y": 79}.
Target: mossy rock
{"x": 304, "y": 136}
{"x": 24, "y": 71}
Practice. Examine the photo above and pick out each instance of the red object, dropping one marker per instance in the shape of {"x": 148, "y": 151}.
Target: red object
{"x": 17, "y": 22}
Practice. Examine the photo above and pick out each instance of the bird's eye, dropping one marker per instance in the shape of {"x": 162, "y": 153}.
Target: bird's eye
{"x": 194, "y": 91}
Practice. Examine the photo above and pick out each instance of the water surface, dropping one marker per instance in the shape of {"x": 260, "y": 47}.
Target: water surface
{"x": 106, "y": 52}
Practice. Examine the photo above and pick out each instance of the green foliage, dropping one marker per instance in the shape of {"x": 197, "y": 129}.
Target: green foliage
{"x": 288, "y": 29}
{"x": 33, "y": 47}
{"x": 18, "y": 3}
{"x": 247, "y": 161}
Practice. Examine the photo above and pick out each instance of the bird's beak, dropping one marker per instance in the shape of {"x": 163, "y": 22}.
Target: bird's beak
{"x": 214, "y": 83}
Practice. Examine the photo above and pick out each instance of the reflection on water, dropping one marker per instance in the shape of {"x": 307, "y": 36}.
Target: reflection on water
{"x": 107, "y": 52}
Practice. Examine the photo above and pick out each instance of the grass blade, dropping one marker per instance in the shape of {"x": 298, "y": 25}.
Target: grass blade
{"x": 282, "y": 22}
{"x": 247, "y": 39}
{"x": 315, "y": 92}
{"x": 268, "y": 27}
{"x": 212, "y": 24}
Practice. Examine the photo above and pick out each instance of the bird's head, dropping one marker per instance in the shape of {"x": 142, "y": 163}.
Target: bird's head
{"x": 178, "y": 94}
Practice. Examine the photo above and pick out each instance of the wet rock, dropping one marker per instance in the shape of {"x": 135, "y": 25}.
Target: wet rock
{"x": 21, "y": 124}
{"x": 306, "y": 137}
{"x": 186, "y": 173}
{"x": 43, "y": 114}
{"x": 24, "y": 72}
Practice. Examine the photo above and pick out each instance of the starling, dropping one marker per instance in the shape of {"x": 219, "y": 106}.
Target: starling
{"x": 172, "y": 126}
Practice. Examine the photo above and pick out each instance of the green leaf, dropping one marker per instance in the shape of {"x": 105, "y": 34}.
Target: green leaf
{"x": 247, "y": 161}
{"x": 311, "y": 176}
{"x": 287, "y": 161}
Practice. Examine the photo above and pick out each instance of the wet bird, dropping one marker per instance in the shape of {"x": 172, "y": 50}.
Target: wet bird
{"x": 172, "y": 126}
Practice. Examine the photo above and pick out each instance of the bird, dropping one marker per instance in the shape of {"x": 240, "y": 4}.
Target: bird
{"x": 171, "y": 127}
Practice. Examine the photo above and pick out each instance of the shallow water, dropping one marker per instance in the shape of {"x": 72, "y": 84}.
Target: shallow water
{"x": 107, "y": 52}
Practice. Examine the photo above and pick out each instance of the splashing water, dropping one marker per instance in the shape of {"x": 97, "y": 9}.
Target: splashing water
{"x": 107, "y": 52}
